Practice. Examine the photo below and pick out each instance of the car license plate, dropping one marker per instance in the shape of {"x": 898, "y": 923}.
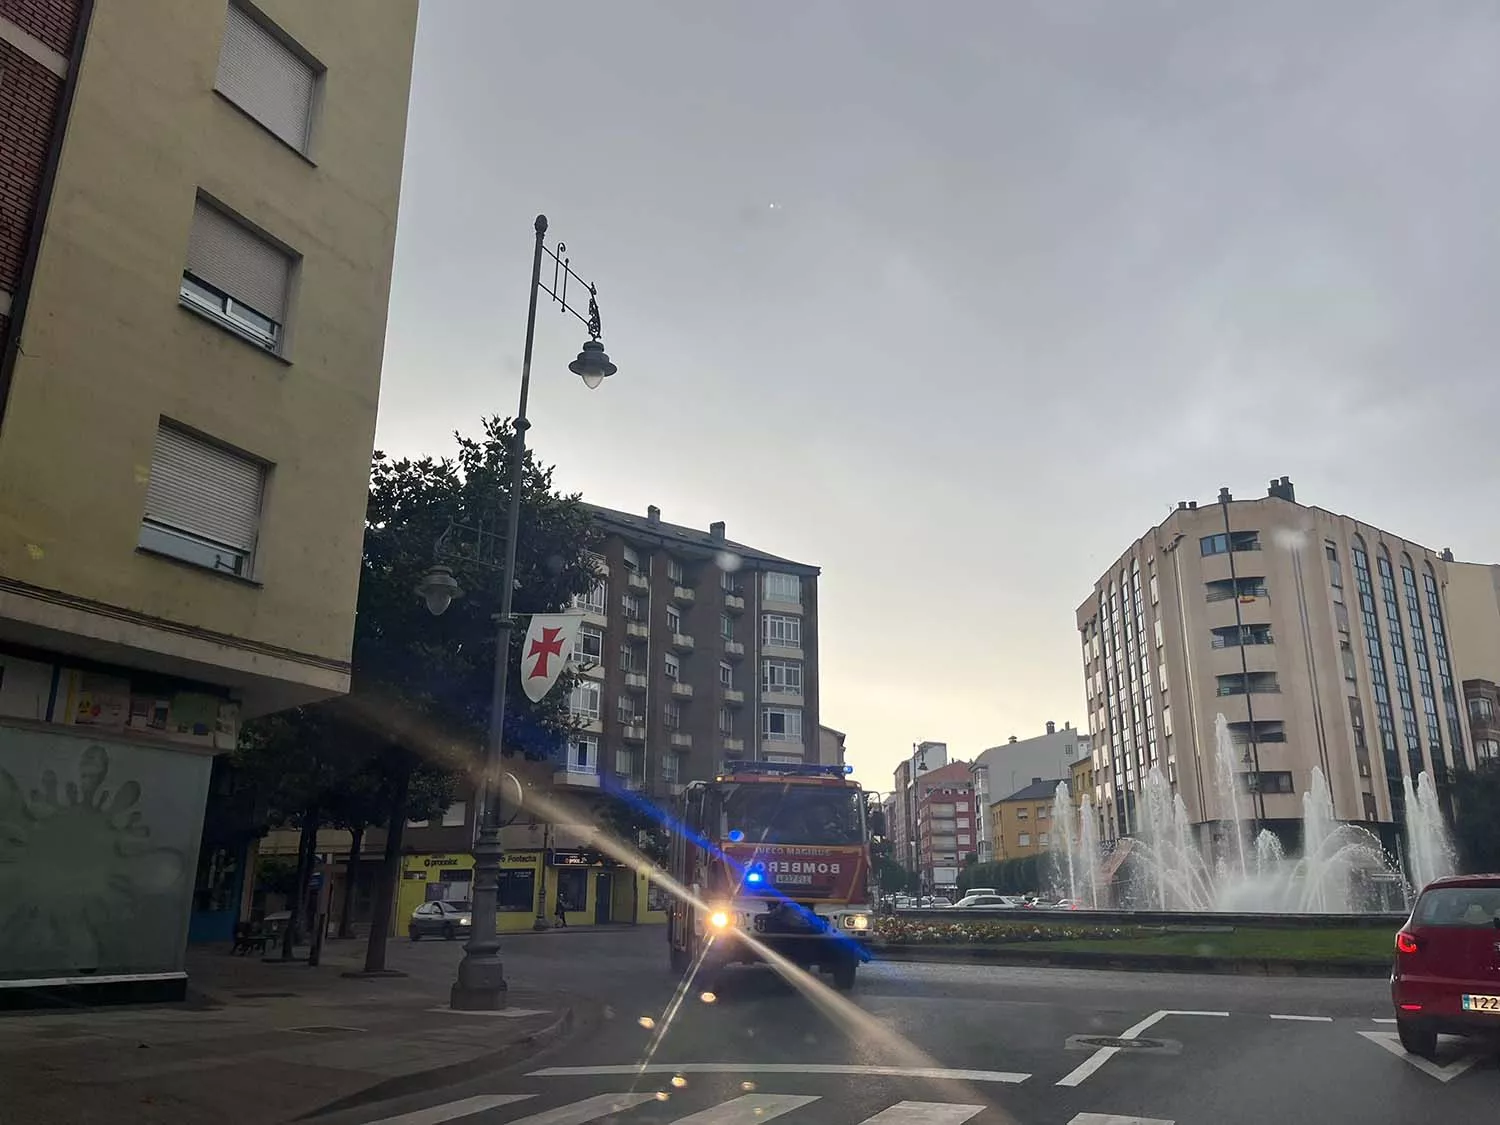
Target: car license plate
{"x": 1482, "y": 1004}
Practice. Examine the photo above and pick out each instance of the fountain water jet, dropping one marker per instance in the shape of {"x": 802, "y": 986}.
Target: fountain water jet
{"x": 1337, "y": 871}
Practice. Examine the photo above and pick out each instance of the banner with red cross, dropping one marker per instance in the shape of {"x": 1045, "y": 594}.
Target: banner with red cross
{"x": 544, "y": 655}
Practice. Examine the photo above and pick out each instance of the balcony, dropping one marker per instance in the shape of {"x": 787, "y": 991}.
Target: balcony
{"x": 733, "y": 697}
{"x": 637, "y": 629}
{"x": 734, "y": 746}
{"x": 682, "y": 642}
{"x": 734, "y": 603}
{"x": 575, "y": 776}
{"x": 637, "y": 581}
{"x": 681, "y": 690}
{"x": 734, "y": 650}
{"x": 635, "y": 681}
{"x": 682, "y": 595}
{"x": 681, "y": 740}
{"x": 634, "y": 731}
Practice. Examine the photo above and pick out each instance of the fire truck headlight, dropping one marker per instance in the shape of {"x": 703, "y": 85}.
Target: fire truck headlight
{"x": 719, "y": 920}
{"x": 857, "y": 921}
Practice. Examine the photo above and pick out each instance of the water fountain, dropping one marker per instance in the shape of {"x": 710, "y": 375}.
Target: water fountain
{"x": 1338, "y": 871}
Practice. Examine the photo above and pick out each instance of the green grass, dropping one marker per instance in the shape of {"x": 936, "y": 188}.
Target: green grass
{"x": 1373, "y": 945}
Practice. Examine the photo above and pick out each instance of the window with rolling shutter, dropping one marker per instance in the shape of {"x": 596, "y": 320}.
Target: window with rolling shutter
{"x": 235, "y": 276}
{"x": 266, "y": 78}
{"x": 202, "y": 502}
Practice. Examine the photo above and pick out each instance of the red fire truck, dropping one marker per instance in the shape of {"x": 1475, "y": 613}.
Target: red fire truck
{"x": 778, "y": 852}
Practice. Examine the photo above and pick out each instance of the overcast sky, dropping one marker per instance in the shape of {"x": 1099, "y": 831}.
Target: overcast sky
{"x": 955, "y": 299}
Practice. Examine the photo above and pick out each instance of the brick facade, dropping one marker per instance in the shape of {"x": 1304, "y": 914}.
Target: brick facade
{"x": 29, "y": 95}
{"x": 51, "y": 21}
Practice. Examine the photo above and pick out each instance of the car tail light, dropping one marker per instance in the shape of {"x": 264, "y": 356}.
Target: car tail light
{"x": 1407, "y": 943}
{"x": 1410, "y": 1007}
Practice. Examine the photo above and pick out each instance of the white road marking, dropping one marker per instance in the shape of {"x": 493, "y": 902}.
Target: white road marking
{"x": 1306, "y": 1019}
{"x": 1392, "y": 1043}
{"x": 1076, "y": 1076}
{"x": 1115, "y": 1119}
{"x": 502, "y": 1014}
{"x": 1385, "y": 1020}
{"x": 746, "y": 1110}
{"x": 589, "y": 1109}
{"x": 437, "y": 1114}
{"x": 932, "y": 1073}
{"x": 924, "y": 1113}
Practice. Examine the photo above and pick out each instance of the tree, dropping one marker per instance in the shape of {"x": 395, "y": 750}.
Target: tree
{"x": 418, "y": 712}
{"x": 1476, "y": 821}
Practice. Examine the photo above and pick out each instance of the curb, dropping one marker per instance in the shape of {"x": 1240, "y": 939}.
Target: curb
{"x": 440, "y": 1076}
{"x": 1133, "y": 962}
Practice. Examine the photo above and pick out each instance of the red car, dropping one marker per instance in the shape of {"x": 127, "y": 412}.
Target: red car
{"x": 1446, "y": 979}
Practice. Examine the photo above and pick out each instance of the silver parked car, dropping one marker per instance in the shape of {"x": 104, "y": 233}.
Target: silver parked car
{"x": 440, "y": 919}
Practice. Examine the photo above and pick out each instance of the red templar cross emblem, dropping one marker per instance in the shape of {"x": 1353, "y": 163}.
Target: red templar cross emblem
{"x": 548, "y": 646}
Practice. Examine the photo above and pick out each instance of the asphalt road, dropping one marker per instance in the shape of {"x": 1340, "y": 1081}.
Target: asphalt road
{"x": 935, "y": 1044}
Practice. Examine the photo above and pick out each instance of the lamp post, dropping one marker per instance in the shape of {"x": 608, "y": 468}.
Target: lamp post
{"x": 918, "y": 765}
{"x": 480, "y": 983}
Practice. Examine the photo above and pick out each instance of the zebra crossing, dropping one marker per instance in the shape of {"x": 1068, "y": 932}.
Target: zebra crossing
{"x": 660, "y": 1108}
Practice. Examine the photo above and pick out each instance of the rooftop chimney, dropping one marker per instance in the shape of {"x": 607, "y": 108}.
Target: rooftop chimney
{"x": 653, "y": 514}
{"x": 1225, "y": 496}
{"x": 1051, "y": 729}
{"x": 1447, "y": 555}
{"x": 1192, "y": 505}
{"x": 1182, "y": 505}
{"x": 1283, "y": 489}
{"x": 1012, "y": 738}
{"x": 716, "y": 529}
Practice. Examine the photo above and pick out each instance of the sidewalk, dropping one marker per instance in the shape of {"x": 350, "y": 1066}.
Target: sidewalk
{"x": 261, "y": 1043}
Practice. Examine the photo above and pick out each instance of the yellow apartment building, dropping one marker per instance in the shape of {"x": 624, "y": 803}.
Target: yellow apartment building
{"x": 193, "y": 330}
{"x": 1022, "y": 822}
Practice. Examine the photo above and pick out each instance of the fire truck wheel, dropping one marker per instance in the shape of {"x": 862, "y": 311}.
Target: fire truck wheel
{"x": 843, "y": 974}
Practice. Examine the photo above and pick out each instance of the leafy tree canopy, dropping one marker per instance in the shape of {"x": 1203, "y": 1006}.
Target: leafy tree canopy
{"x": 1476, "y": 821}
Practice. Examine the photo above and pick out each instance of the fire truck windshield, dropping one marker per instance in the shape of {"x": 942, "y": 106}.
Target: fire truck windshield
{"x": 792, "y": 814}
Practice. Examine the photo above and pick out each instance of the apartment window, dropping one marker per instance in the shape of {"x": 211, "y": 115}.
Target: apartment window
{"x": 1487, "y": 750}
{"x": 726, "y": 626}
{"x": 671, "y": 769}
{"x": 1236, "y": 636}
{"x": 1023, "y": 814}
{"x": 1156, "y": 629}
{"x": 235, "y": 277}
{"x": 781, "y": 631}
{"x": 1213, "y": 545}
{"x": 583, "y": 754}
{"x": 583, "y": 703}
{"x": 726, "y": 675}
{"x": 1042, "y": 812}
{"x": 726, "y": 721}
{"x": 672, "y": 713}
{"x": 596, "y": 600}
{"x": 1166, "y": 721}
{"x": 631, "y": 659}
{"x": 202, "y": 503}
{"x": 626, "y": 712}
{"x": 631, "y": 560}
{"x": 630, "y": 605}
{"x": 780, "y": 724}
{"x": 728, "y": 582}
{"x": 590, "y": 648}
{"x": 454, "y": 815}
{"x": 784, "y": 759}
{"x": 1234, "y": 541}
{"x": 674, "y": 668}
{"x": 783, "y": 587}
{"x": 1267, "y": 781}
{"x": 1346, "y": 655}
{"x": 1042, "y": 840}
{"x": 1024, "y": 839}
{"x": 1155, "y": 592}
{"x": 781, "y": 677}
{"x": 1255, "y": 683}
{"x": 1246, "y": 589}
{"x": 674, "y": 619}
{"x": 1481, "y": 708}
{"x": 963, "y": 822}
{"x": 265, "y": 77}
{"x": 674, "y": 572}
{"x": 625, "y": 761}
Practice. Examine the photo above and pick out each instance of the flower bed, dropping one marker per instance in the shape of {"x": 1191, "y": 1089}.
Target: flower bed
{"x": 910, "y": 931}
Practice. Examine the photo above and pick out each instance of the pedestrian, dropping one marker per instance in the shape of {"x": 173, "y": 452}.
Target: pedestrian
{"x": 562, "y": 911}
